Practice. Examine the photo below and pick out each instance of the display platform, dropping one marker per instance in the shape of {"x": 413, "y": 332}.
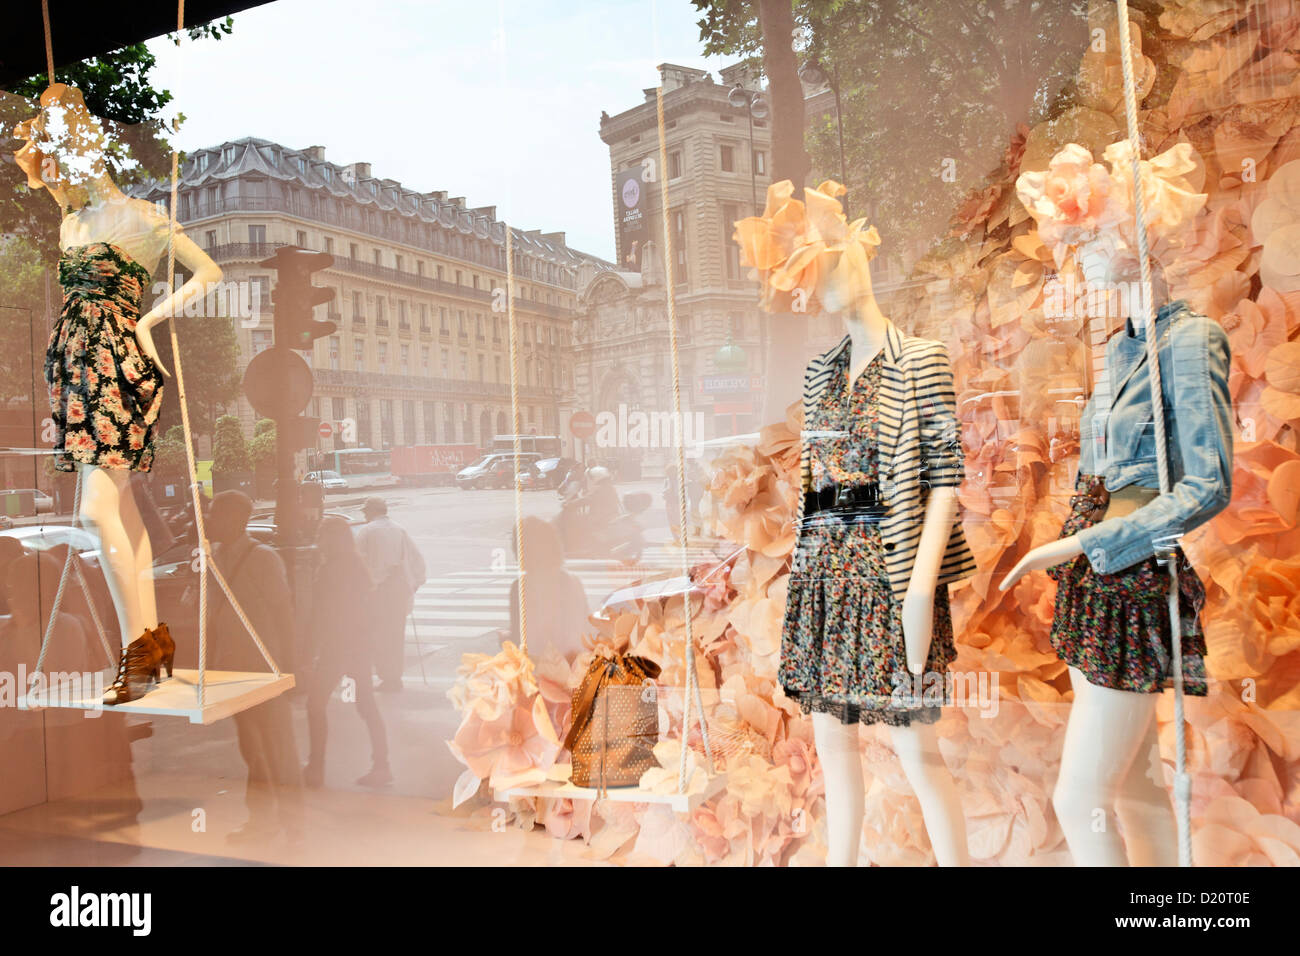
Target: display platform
{"x": 225, "y": 694}
{"x": 680, "y": 802}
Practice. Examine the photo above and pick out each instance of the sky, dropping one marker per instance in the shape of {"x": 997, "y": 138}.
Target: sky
{"x": 498, "y": 101}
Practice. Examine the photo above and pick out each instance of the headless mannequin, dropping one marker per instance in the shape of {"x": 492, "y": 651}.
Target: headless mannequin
{"x": 63, "y": 155}
{"x": 1110, "y": 762}
{"x": 917, "y": 746}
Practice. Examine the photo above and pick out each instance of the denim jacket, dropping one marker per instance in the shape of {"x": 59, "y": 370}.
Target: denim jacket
{"x": 1117, "y": 434}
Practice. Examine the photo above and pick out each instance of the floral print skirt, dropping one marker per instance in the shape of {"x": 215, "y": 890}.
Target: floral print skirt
{"x": 1114, "y": 628}
{"x": 105, "y": 392}
{"x": 842, "y": 648}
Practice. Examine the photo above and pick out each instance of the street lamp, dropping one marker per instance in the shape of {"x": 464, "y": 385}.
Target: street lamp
{"x": 814, "y": 74}
{"x": 755, "y": 104}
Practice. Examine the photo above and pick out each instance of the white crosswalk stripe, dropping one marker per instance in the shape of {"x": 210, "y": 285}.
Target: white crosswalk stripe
{"x": 468, "y": 604}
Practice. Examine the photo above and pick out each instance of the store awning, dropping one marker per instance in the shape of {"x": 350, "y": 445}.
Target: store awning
{"x": 82, "y": 29}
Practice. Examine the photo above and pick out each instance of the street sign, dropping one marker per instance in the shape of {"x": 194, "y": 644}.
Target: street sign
{"x": 325, "y": 430}
{"x": 582, "y": 425}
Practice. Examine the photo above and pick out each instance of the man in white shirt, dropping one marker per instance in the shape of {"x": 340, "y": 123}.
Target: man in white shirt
{"x": 397, "y": 568}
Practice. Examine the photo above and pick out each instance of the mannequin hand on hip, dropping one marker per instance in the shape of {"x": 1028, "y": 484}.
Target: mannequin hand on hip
{"x": 1042, "y": 557}
{"x": 918, "y": 628}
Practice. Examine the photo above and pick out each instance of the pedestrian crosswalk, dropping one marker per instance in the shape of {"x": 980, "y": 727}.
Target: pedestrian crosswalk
{"x": 467, "y": 604}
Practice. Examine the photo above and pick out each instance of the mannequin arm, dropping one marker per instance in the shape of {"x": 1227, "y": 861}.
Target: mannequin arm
{"x": 205, "y": 274}
{"x": 918, "y": 602}
{"x": 1043, "y": 557}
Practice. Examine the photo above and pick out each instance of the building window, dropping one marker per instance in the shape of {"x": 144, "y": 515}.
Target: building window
{"x": 675, "y": 164}
{"x": 403, "y": 321}
{"x": 352, "y": 250}
{"x": 430, "y": 422}
{"x": 334, "y": 352}
{"x": 359, "y": 354}
{"x": 300, "y": 238}
{"x": 442, "y": 320}
{"x": 446, "y": 363}
{"x": 424, "y": 360}
{"x": 464, "y": 365}
{"x": 728, "y": 159}
{"x": 730, "y": 248}
{"x": 379, "y": 257}
{"x": 460, "y": 323}
{"x": 760, "y": 163}
{"x": 397, "y": 263}
{"x": 497, "y": 362}
{"x": 386, "y": 431}
{"x": 257, "y": 235}
{"x": 424, "y": 317}
{"x": 329, "y": 244}
{"x": 339, "y": 407}
{"x": 481, "y": 373}
{"x": 210, "y": 239}
{"x": 383, "y": 357}
{"x": 679, "y": 245}
{"x": 406, "y": 359}
{"x": 358, "y": 312}
{"x": 408, "y": 422}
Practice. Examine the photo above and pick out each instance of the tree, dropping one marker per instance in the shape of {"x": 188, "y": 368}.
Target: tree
{"x": 262, "y": 448}
{"x": 169, "y": 452}
{"x": 210, "y": 352}
{"x": 229, "y": 450}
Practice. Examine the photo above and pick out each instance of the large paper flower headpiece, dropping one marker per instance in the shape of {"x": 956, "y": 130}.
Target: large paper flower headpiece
{"x": 1075, "y": 200}
{"x": 806, "y": 254}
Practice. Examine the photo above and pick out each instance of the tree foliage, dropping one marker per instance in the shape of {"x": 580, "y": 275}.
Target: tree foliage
{"x": 229, "y": 449}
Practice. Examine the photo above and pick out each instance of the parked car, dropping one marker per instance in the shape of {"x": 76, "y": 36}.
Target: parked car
{"x": 493, "y": 470}
{"x": 328, "y": 480}
{"x": 16, "y": 507}
{"x": 35, "y": 538}
{"x": 545, "y": 474}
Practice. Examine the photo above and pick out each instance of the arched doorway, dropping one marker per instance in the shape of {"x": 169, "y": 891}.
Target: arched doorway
{"x": 485, "y": 428}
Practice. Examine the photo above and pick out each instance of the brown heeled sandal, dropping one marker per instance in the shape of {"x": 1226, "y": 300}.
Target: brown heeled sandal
{"x": 166, "y": 646}
{"x": 137, "y": 671}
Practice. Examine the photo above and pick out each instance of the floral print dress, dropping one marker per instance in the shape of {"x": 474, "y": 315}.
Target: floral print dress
{"x": 842, "y": 647}
{"x": 105, "y": 392}
{"x": 1115, "y": 628}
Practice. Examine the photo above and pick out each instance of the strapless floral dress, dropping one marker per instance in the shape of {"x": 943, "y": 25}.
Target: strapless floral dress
{"x": 105, "y": 392}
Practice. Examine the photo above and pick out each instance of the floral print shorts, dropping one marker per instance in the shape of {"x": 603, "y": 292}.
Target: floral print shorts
{"x": 1114, "y": 628}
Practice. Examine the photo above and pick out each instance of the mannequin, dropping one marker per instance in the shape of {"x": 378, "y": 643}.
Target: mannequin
{"x": 63, "y": 154}
{"x": 1110, "y": 765}
{"x": 876, "y": 547}
{"x": 916, "y": 745}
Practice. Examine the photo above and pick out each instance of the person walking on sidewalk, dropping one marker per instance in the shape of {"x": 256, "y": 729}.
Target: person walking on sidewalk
{"x": 397, "y": 568}
{"x": 341, "y": 600}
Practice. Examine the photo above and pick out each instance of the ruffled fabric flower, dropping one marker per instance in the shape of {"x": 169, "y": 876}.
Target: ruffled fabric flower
{"x": 806, "y": 254}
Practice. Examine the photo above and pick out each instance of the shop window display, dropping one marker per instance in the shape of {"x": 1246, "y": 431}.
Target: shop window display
{"x": 920, "y": 616}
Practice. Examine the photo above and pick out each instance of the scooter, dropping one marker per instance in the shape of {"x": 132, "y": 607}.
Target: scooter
{"x": 620, "y": 538}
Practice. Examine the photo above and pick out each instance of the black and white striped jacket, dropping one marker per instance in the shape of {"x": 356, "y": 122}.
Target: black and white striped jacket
{"x": 919, "y": 437}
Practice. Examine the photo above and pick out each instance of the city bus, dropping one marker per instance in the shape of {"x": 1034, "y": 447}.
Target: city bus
{"x": 544, "y": 446}
{"x": 359, "y": 467}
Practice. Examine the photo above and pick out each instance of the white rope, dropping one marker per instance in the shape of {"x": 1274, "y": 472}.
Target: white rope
{"x": 1182, "y": 782}
{"x": 692, "y": 690}
{"x": 512, "y": 331}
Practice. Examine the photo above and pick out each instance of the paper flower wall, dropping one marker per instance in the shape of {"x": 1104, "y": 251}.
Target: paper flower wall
{"x": 1230, "y": 90}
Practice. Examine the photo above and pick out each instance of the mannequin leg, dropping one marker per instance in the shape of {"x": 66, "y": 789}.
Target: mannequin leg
{"x": 1106, "y": 730}
{"x": 103, "y": 495}
{"x": 841, "y": 760}
{"x": 1145, "y": 809}
{"x": 917, "y": 747}
{"x": 142, "y": 549}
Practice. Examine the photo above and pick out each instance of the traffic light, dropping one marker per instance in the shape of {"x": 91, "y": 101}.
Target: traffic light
{"x": 294, "y": 298}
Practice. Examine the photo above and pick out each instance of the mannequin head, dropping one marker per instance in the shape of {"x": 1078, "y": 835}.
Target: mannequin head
{"x": 806, "y": 253}
{"x": 64, "y": 149}
{"x": 1086, "y": 210}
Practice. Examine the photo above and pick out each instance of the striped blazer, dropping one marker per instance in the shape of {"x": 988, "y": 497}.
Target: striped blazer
{"x": 919, "y": 437}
